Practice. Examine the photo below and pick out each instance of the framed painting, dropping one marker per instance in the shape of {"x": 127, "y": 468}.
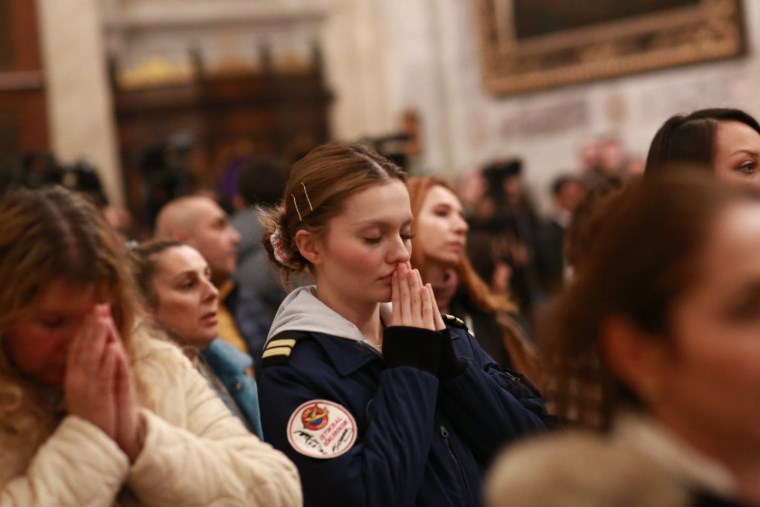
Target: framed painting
{"x": 537, "y": 44}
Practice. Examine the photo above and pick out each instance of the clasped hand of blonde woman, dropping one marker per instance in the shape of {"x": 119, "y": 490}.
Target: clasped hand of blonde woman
{"x": 99, "y": 386}
{"x": 413, "y": 302}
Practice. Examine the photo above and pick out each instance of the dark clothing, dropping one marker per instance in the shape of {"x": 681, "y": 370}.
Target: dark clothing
{"x": 709, "y": 500}
{"x": 486, "y": 328}
{"x": 518, "y": 225}
{"x": 551, "y": 254}
{"x": 250, "y": 319}
{"x": 254, "y": 272}
{"x": 421, "y": 441}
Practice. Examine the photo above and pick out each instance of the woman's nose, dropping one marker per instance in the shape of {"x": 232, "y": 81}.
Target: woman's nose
{"x": 211, "y": 292}
{"x": 460, "y": 224}
{"x": 400, "y": 252}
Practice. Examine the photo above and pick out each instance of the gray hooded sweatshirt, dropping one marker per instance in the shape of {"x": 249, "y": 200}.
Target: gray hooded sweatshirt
{"x": 302, "y": 311}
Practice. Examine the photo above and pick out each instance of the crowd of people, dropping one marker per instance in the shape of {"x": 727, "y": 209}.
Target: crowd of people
{"x": 354, "y": 335}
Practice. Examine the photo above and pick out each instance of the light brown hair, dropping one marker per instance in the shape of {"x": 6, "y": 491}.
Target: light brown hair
{"x": 646, "y": 256}
{"x": 318, "y": 186}
{"x": 53, "y": 233}
{"x": 581, "y": 232}
{"x": 48, "y": 235}
{"x": 144, "y": 267}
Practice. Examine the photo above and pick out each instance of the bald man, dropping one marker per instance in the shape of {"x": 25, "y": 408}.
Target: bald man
{"x": 199, "y": 222}
{"x": 202, "y": 224}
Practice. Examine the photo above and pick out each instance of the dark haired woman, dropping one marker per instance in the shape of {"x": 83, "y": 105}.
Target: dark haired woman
{"x": 376, "y": 405}
{"x": 722, "y": 140}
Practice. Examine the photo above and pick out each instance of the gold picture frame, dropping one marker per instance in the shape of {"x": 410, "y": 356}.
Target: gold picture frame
{"x": 521, "y": 52}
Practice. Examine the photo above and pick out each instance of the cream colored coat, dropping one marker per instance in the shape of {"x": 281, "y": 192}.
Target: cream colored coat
{"x": 195, "y": 454}
{"x": 641, "y": 464}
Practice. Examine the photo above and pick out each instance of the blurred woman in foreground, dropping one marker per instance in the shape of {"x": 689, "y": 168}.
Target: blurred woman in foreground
{"x": 664, "y": 318}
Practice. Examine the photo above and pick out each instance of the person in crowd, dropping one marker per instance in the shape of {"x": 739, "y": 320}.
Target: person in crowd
{"x": 121, "y": 221}
{"x": 582, "y": 230}
{"x": 567, "y": 193}
{"x": 376, "y": 405}
{"x": 490, "y": 266}
{"x": 261, "y": 183}
{"x": 94, "y": 409}
{"x": 471, "y": 189}
{"x": 439, "y": 253}
{"x": 602, "y": 157}
{"x": 174, "y": 281}
{"x": 663, "y": 321}
{"x": 201, "y": 223}
{"x": 722, "y": 140}
{"x": 515, "y": 223}
{"x": 577, "y": 404}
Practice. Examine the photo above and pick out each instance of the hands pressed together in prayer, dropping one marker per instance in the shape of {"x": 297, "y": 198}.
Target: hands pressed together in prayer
{"x": 413, "y": 302}
{"x": 99, "y": 385}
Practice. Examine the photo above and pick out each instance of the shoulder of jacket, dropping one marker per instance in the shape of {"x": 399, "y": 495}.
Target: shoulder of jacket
{"x": 150, "y": 342}
{"x": 278, "y": 349}
{"x": 452, "y": 321}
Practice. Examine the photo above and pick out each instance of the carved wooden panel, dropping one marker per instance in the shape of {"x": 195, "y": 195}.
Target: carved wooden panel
{"x": 281, "y": 115}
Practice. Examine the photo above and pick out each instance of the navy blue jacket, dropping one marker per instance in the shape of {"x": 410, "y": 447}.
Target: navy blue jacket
{"x": 420, "y": 442}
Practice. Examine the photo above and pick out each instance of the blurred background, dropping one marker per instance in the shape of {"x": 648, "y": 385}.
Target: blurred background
{"x": 159, "y": 98}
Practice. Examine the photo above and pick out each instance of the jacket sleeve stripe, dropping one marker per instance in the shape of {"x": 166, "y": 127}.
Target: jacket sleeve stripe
{"x": 277, "y": 351}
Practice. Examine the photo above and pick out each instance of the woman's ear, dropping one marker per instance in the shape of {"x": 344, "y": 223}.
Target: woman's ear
{"x": 636, "y": 358}
{"x": 309, "y": 245}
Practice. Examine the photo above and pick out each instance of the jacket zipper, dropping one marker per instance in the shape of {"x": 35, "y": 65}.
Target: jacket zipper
{"x": 445, "y": 435}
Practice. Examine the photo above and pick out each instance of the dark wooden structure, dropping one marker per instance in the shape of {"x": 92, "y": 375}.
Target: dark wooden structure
{"x": 23, "y": 110}
{"x": 218, "y": 118}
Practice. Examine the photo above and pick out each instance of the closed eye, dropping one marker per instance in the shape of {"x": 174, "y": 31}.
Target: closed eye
{"x": 52, "y": 322}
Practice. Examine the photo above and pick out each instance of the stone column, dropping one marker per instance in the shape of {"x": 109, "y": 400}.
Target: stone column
{"x": 79, "y": 100}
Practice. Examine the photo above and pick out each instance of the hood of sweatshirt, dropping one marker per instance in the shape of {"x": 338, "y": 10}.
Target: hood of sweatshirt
{"x": 302, "y": 311}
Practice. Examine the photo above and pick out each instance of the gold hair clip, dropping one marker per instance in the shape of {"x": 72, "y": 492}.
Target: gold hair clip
{"x": 300, "y": 219}
{"x": 295, "y": 203}
{"x": 307, "y": 196}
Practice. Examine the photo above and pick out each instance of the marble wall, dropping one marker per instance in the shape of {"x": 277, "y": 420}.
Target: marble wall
{"x": 78, "y": 96}
{"x": 430, "y": 62}
{"x": 381, "y": 57}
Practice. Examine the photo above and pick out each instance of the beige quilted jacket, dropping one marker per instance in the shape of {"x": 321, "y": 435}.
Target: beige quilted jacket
{"x": 196, "y": 453}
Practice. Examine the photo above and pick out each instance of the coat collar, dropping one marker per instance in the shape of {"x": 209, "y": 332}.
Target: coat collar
{"x": 347, "y": 355}
{"x": 224, "y": 357}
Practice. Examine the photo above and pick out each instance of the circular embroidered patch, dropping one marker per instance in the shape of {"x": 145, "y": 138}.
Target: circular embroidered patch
{"x": 321, "y": 429}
